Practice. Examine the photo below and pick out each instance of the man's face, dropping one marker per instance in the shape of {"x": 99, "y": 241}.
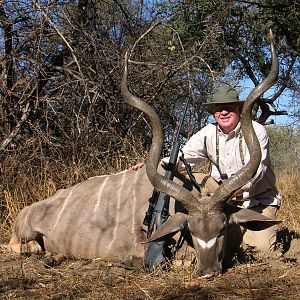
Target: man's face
{"x": 227, "y": 116}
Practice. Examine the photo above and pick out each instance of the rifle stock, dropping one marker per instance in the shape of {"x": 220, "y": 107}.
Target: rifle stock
{"x": 158, "y": 210}
{"x": 157, "y": 213}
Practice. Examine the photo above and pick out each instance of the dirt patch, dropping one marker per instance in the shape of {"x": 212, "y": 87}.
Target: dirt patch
{"x": 26, "y": 278}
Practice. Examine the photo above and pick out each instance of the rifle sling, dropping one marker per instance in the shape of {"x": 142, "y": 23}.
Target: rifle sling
{"x": 190, "y": 174}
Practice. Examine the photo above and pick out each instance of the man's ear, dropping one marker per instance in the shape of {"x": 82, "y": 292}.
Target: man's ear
{"x": 251, "y": 219}
{"x": 169, "y": 228}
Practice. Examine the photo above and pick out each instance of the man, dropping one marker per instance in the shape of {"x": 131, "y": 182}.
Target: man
{"x": 223, "y": 144}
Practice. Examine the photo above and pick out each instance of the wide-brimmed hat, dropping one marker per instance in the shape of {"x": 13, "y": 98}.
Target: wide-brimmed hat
{"x": 223, "y": 95}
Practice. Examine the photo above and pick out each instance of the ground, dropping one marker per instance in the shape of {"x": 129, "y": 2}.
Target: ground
{"x": 276, "y": 277}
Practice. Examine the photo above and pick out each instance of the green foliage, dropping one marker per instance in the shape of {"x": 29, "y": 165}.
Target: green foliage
{"x": 232, "y": 38}
{"x": 284, "y": 147}
{"x": 285, "y": 17}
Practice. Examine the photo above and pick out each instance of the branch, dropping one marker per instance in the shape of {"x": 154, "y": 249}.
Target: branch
{"x": 7, "y": 27}
{"x": 61, "y": 35}
{"x": 286, "y": 79}
{"x": 15, "y": 131}
{"x": 248, "y": 69}
{"x": 266, "y": 112}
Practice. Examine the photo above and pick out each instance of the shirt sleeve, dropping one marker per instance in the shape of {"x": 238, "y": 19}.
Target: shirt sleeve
{"x": 195, "y": 150}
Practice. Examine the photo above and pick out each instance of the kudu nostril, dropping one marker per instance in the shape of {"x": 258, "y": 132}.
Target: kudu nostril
{"x": 209, "y": 275}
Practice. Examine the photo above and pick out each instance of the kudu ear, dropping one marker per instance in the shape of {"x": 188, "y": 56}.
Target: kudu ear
{"x": 169, "y": 228}
{"x": 251, "y": 219}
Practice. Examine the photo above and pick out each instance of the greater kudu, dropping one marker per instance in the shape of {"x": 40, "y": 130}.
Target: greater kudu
{"x": 208, "y": 217}
{"x": 102, "y": 217}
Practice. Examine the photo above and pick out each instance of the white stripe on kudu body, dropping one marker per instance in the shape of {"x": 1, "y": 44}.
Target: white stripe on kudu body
{"x": 101, "y": 217}
{"x": 99, "y": 198}
{"x": 61, "y": 211}
{"x": 133, "y": 211}
{"x": 117, "y": 211}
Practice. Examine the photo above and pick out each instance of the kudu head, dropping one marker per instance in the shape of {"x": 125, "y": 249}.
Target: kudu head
{"x": 208, "y": 217}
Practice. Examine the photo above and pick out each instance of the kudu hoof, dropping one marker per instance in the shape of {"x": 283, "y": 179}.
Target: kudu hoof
{"x": 49, "y": 262}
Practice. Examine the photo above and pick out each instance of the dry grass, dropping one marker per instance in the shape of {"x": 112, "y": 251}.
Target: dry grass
{"x": 94, "y": 279}
{"x": 13, "y": 200}
{"x": 26, "y": 278}
{"x": 288, "y": 184}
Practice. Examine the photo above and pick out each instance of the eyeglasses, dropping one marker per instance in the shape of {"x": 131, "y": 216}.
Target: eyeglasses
{"x": 226, "y": 107}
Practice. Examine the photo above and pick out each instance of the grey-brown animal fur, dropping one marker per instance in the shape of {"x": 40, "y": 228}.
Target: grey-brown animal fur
{"x": 101, "y": 217}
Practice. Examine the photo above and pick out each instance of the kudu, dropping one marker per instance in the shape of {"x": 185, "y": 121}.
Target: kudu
{"x": 208, "y": 217}
{"x": 102, "y": 217}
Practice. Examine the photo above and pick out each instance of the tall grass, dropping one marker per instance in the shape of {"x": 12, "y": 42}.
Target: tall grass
{"x": 288, "y": 184}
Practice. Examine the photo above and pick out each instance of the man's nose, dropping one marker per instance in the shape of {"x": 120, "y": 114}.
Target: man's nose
{"x": 224, "y": 112}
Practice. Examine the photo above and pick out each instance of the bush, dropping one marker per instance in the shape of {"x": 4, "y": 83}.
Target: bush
{"x": 284, "y": 147}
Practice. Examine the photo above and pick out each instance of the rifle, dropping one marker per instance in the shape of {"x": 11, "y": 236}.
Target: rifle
{"x": 158, "y": 210}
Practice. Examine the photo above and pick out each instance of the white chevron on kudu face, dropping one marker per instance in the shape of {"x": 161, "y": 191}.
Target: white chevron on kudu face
{"x": 207, "y": 244}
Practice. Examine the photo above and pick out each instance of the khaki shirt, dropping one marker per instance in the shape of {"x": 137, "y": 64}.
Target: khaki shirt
{"x": 202, "y": 145}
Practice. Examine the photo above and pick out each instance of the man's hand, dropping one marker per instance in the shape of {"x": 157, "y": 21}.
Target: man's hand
{"x": 137, "y": 166}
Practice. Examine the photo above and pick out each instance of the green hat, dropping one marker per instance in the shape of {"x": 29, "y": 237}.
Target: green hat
{"x": 223, "y": 95}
